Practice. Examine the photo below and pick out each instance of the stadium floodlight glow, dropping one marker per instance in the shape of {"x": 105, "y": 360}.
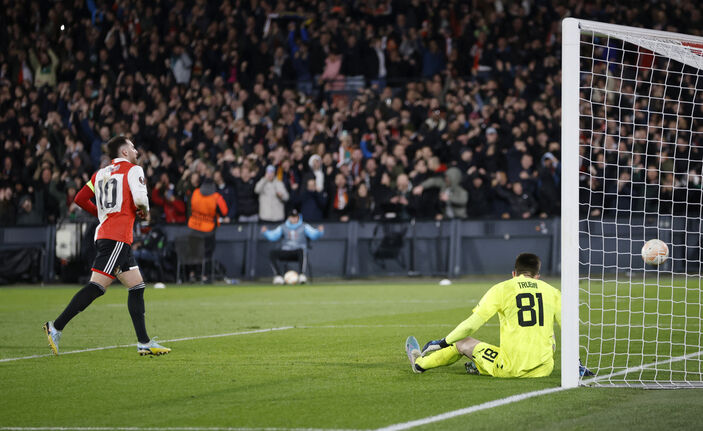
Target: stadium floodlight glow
{"x": 632, "y": 123}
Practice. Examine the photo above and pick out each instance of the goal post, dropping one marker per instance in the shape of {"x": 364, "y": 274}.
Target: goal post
{"x": 631, "y": 162}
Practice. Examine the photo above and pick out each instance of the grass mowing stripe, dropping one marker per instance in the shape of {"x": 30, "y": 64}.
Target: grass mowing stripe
{"x": 199, "y": 337}
{"x": 643, "y": 367}
{"x": 468, "y": 410}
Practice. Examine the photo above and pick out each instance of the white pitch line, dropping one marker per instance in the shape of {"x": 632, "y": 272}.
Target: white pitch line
{"x": 641, "y": 367}
{"x": 93, "y": 349}
{"x": 229, "y": 334}
{"x": 164, "y": 429}
{"x": 467, "y": 410}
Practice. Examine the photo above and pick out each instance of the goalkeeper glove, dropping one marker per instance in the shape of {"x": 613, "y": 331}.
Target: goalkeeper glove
{"x": 433, "y": 346}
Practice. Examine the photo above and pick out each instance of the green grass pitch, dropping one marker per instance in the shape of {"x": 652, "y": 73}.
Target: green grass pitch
{"x": 337, "y": 362}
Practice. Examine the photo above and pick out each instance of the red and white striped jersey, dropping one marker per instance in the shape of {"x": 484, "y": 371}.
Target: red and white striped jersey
{"x": 119, "y": 188}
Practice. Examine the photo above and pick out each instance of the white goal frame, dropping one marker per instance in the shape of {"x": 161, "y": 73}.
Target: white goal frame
{"x": 655, "y": 41}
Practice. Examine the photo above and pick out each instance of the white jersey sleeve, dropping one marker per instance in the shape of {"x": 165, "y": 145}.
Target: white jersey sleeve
{"x": 137, "y": 185}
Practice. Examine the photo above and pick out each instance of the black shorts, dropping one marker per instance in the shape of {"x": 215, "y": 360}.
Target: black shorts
{"x": 113, "y": 258}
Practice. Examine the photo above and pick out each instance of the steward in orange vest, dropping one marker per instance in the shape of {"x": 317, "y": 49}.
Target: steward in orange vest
{"x": 204, "y": 204}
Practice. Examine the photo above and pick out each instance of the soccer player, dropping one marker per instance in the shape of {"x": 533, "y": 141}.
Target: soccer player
{"x": 527, "y": 308}
{"x": 120, "y": 194}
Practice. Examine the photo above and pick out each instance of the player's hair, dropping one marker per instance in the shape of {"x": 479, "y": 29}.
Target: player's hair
{"x": 527, "y": 264}
{"x": 114, "y": 145}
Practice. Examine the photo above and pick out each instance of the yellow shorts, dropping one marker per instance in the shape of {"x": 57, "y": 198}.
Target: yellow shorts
{"x": 489, "y": 361}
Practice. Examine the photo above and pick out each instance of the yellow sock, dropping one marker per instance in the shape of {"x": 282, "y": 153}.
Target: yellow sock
{"x": 446, "y": 356}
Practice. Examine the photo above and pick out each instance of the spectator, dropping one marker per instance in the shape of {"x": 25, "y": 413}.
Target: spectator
{"x": 451, "y": 193}
{"x": 228, "y": 194}
{"x": 7, "y": 207}
{"x": 340, "y": 199}
{"x": 247, "y": 201}
{"x": 362, "y": 205}
{"x": 164, "y": 196}
{"x": 27, "y": 215}
{"x": 522, "y": 204}
{"x": 272, "y": 196}
{"x": 402, "y": 202}
{"x": 312, "y": 203}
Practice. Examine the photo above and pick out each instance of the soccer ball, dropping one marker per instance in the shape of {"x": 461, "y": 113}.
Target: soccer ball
{"x": 655, "y": 252}
{"x": 291, "y": 277}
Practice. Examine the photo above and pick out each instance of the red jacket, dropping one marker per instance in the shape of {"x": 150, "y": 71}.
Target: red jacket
{"x": 174, "y": 211}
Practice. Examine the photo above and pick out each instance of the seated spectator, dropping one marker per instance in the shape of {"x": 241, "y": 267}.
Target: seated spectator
{"x": 295, "y": 234}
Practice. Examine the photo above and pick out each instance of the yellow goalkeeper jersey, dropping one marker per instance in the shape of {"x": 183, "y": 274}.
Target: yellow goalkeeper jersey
{"x": 527, "y": 309}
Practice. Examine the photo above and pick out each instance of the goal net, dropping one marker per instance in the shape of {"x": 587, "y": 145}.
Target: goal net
{"x": 632, "y": 152}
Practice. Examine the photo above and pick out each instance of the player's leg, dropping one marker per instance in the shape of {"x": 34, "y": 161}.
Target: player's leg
{"x": 274, "y": 257}
{"x": 488, "y": 360}
{"x": 446, "y": 356}
{"x": 132, "y": 280}
{"x": 100, "y": 279}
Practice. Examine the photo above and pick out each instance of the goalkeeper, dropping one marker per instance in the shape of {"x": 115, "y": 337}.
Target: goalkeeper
{"x": 527, "y": 308}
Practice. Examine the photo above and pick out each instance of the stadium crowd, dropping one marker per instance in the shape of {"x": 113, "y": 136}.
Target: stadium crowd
{"x": 344, "y": 110}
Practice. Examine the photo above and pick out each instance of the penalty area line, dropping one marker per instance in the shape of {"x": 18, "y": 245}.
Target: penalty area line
{"x": 468, "y": 410}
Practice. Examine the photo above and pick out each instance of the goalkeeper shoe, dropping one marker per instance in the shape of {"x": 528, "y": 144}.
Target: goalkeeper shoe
{"x": 278, "y": 280}
{"x": 471, "y": 368}
{"x": 583, "y": 371}
{"x": 152, "y": 348}
{"x": 54, "y": 335}
{"x": 412, "y": 349}
{"x": 302, "y": 279}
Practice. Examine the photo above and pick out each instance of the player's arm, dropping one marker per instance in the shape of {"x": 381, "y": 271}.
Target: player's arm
{"x": 463, "y": 330}
{"x": 137, "y": 185}
{"x": 486, "y": 308}
{"x": 84, "y": 196}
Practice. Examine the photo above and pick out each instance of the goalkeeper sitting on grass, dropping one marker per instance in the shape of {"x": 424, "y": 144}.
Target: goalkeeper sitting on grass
{"x": 527, "y": 308}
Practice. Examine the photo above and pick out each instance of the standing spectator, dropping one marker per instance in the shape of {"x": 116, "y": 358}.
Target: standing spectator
{"x": 339, "y": 199}
{"x": 7, "y": 207}
{"x": 362, "y": 205}
{"x": 312, "y": 203}
{"x": 164, "y": 196}
{"x": 272, "y": 196}
{"x": 522, "y": 204}
{"x": 228, "y": 194}
{"x": 401, "y": 203}
{"x": 45, "y": 66}
{"x": 27, "y": 215}
{"x": 452, "y": 194}
{"x": 181, "y": 65}
{"x": 247, "y": 201}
